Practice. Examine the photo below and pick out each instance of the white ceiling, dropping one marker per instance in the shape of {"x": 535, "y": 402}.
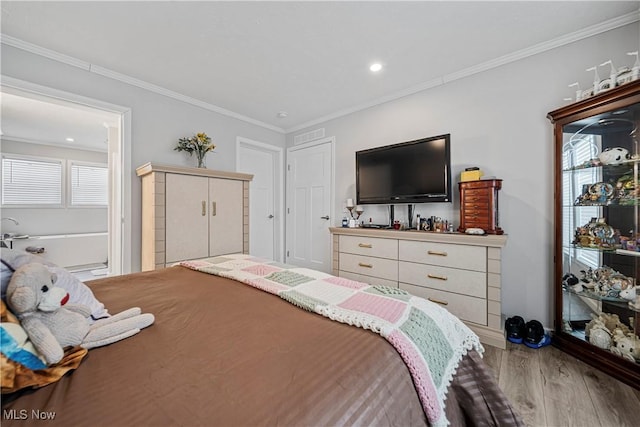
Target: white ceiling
{"x": 310, "y": 59}
{"x": 45, "y": 121}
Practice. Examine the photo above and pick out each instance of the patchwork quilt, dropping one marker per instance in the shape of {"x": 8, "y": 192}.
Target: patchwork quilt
{"x": 430, "y": 340}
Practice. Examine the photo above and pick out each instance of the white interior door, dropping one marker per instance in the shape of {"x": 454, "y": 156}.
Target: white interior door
{"x": 262, "y": 212}
{"x": 309, "y": 195}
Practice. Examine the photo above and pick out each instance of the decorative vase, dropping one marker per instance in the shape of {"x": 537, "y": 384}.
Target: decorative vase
{"x": 200, "y": 155}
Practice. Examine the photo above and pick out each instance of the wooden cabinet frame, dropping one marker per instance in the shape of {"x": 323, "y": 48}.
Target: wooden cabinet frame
{"x": 617, "y": 99}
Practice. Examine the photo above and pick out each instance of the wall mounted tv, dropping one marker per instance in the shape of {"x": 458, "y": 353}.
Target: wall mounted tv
{"x": 410, "y": 172}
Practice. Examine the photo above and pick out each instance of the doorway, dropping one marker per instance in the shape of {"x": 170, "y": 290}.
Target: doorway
{"x": 117, "y": 154}
{"x": 310, "y": 183}
{"x": 266, "y": 222}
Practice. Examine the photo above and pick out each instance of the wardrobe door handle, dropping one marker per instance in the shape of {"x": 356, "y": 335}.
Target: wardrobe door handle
{"x": 214, "y": 209}
{"x": 204, "y": 208}
{"x": 438, "y": 301}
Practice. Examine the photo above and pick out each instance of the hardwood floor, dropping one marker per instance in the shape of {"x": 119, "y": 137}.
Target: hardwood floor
{"x": 551, "y": 388}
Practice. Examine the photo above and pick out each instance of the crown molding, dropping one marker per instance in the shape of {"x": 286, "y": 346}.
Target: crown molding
{"x": 47, "y": 53}
{"x": 590, "y": 31}
{"x": 584, "y": 33}
{"x": 105, "y": 72}
{"x": 178, "y": 96}
{"x": 566, "y": 39}
{"x": 378, "y": 101}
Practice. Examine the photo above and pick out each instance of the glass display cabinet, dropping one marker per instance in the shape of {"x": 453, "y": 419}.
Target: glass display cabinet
{"x": 597, "y": 239}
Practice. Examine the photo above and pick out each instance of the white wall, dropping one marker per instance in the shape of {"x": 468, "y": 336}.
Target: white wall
{"x": 157, "y": 121}
{"x": 497, "y": 121}
{"x": 47, "y": 221}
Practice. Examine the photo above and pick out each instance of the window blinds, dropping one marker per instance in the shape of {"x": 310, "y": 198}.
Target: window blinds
{"x": 89, "y": 185}
{"x": 583, "y": 150}
{"x": 31, "y": 182}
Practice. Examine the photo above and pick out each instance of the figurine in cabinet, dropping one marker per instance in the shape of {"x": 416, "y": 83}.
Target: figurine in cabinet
{"x": 627, "y": 346}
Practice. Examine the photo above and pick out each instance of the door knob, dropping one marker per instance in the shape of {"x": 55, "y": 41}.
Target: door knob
{"x": 325, "y": 217}
{"x": 270, "y": 216}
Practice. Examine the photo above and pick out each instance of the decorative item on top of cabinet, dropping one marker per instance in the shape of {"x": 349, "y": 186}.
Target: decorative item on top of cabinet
{"x": 597, "y": 256}
{"x": 190, "y": 213}
{"x": 479, "y": 205}
{"x": 200, "y": 144}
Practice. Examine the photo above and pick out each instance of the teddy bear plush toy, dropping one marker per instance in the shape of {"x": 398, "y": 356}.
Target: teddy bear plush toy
{"x": 51, "y": 325}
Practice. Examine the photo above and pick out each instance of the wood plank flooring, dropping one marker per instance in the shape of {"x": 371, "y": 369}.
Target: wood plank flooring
{"x": 550, "y": 388}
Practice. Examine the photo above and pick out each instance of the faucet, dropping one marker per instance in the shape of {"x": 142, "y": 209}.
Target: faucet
{"x": 15, "y": 221}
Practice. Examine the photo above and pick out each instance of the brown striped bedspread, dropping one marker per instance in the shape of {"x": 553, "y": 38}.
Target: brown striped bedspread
{"x": 223, "y": 353}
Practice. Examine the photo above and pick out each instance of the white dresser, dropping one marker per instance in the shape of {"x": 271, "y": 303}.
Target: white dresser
{"x": 458, "y": 271}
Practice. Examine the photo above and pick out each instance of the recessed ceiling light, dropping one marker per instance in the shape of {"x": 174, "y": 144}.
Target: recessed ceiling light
{"x": 282, "y": 114}
{"x": 70, "y": 139}
{"x": 375, "y": 67}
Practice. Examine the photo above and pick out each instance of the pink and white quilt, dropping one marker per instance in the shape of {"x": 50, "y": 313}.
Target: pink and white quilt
{"x": 430, "y": 340}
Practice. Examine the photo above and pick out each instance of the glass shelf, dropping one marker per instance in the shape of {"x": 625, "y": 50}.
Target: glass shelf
{"x": 622, "y": 165}
{"x": 600, "y": 249}
{"x": 621, "y": 302}
{"x": 604, "y": 205}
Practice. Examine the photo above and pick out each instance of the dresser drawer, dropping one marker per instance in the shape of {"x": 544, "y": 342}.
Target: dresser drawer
{"x": 479, "y": 196}
{"x": 466, "y": 282}
{"x": 467, "y": 308}
{"x": 369, "y": 266}
{"x": 370, "y": 280}
{"x": 475, "y": 206}
{"x": 444, "y": 254}
{"x": 371, "y": 246}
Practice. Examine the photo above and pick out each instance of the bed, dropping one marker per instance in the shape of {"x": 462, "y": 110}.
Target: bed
{"x": 225, "y": 353}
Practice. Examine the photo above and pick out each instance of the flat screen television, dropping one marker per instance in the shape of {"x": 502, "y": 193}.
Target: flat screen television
{"x": 409, "y": 172}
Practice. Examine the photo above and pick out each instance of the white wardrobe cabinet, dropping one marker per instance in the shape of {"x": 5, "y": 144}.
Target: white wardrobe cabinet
{"x": 190, "y": 213}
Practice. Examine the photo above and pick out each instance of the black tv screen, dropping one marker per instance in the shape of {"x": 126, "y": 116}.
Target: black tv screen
{"x": 410, "y": 172}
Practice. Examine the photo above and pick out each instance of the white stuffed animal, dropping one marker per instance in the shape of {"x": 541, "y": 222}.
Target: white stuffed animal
{"x": 627, "y": 346}
{"x": 614, "y": 156}
{"x": 629, "y": 294}
{"x": 52, "y": 325}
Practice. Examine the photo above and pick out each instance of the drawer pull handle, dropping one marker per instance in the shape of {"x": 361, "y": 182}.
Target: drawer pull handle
{"x": 433, "y": 276}
{"x": 438, "y": 301}
{"x": 362, "y": 264}
{"x": 437, "y": 253}
{"x": 365, "y": 245}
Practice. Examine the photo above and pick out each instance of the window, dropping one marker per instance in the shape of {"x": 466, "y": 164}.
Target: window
{"x": 28, "y": 181}
{"x": 583, "y": 149}
{"x": 89, "y": 185}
